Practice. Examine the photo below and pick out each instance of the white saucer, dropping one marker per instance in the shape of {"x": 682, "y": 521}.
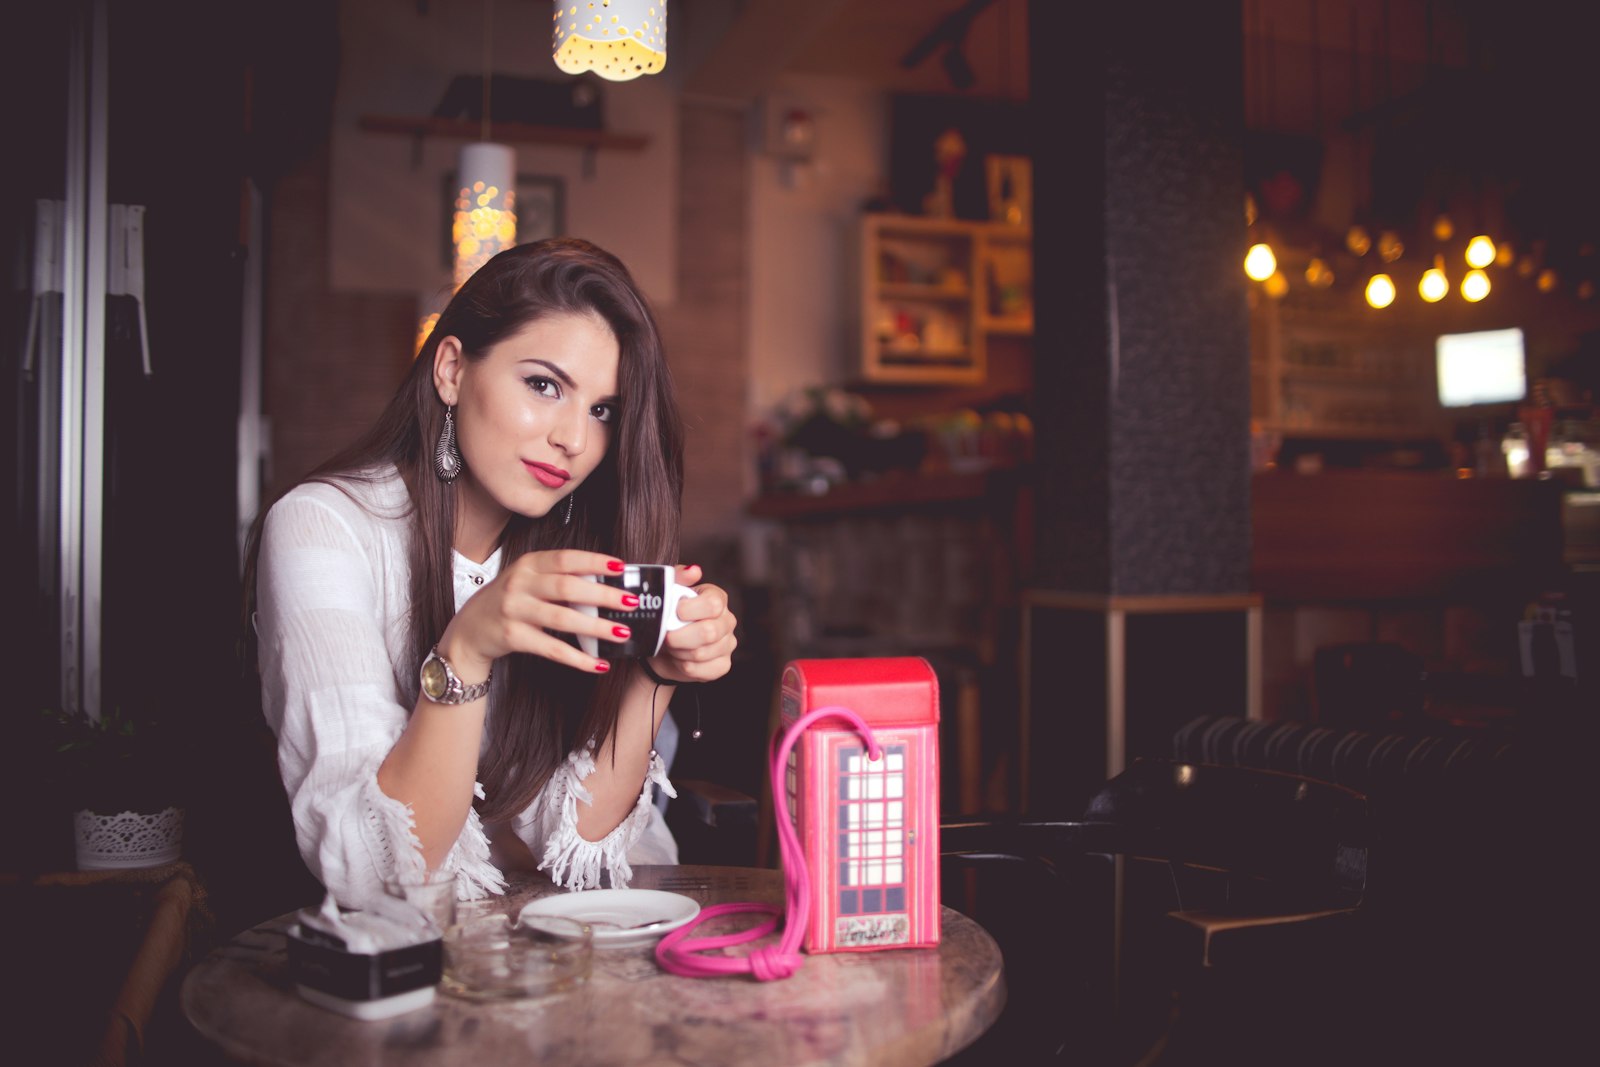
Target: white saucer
{"x": 617, "y": 916}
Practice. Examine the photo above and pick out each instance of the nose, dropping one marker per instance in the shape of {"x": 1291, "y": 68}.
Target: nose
{"x": 570, "y": 431}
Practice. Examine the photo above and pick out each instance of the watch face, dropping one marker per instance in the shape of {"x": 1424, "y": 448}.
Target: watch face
{"x": 435, "y": 679}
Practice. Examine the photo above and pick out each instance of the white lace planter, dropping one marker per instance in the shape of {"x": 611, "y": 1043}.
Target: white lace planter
{"x": 128, "y": 839}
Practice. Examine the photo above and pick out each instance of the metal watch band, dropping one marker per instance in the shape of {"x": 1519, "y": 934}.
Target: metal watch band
{"x": 455, "y": 691}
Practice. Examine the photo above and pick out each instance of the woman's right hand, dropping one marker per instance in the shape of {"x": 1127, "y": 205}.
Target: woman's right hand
{"x": 529, "y": 608}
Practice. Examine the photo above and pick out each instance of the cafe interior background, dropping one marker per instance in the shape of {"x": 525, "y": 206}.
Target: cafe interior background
{"x": 955, "y": 295}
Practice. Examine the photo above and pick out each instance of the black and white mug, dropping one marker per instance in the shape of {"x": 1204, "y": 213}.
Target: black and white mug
{"x": 656, "y": 586}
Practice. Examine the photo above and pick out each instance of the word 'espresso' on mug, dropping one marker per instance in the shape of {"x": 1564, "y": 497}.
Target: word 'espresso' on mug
{"x": 659, "y": 593}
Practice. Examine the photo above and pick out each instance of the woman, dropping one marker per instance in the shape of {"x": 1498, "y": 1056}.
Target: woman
{"x": 535, "y": 442}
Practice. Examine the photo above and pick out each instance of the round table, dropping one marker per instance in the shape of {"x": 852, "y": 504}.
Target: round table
{"x": 904, "y": 1006}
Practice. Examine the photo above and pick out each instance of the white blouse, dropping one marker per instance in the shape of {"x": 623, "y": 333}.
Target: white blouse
{"x": 332, "y": 588}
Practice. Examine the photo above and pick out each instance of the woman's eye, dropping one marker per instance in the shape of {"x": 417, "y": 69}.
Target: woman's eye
{"x": 603, "y": 412}
{"x": 543, "y": 386}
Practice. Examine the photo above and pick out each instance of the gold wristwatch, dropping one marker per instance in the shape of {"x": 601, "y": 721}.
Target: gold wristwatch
{"x": 440, "y": 684}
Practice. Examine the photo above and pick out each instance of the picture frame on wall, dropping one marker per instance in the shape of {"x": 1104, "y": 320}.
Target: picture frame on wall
{"x": 541, "y": 210}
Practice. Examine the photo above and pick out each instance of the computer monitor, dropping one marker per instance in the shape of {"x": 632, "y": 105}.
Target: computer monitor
{"x": 1486, "y": 367}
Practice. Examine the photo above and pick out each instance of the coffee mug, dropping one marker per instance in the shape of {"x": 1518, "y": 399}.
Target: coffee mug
{"x": 656, "y": 616}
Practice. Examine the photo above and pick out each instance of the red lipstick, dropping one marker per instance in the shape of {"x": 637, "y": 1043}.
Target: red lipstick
{"x": 547, "y": 476}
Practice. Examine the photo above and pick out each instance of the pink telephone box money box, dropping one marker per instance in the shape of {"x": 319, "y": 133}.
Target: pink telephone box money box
{"x": 869, "y": 831}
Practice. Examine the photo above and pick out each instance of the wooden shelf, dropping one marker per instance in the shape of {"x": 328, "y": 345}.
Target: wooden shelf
{"x": 508, "y": 132}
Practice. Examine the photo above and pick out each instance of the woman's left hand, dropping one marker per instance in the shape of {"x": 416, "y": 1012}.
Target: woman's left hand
{"x": 702, "y": 649}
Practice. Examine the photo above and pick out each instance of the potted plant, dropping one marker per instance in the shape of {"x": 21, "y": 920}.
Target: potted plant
{"x": 118, "y": 776}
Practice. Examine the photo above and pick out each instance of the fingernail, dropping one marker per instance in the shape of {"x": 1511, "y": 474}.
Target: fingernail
{"x": 614, "y": 566}
{"x": 629, "y": 600}
{"x": 601, "y": 666}
{"x": 621, "y": 633}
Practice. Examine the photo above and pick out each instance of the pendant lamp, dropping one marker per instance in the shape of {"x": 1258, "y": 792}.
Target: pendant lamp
{"x": 617, "y": 39}
{"x": 484, "y": 221}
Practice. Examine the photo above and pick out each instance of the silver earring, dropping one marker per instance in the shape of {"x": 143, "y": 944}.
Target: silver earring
{"x": 568, "y": 520}
{"x": 447, "y": 457}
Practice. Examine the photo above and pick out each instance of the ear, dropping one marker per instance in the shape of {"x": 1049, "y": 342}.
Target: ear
{"x": 448, "y": 361}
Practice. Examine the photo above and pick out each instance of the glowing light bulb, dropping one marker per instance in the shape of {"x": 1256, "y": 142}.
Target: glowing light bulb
{"x": 1318, "y": 274}
{"x": 1260, "y": 263}
{"x": 1475, "y": 286}
{"x": 1504, "y": 254}
{"x": 1548, "y": 280}
{"x": 1277, "y": 285}
{"x": 1380, "y": 290}
{"x": 1434, "y": 286}
{"x": 1480, "y": 252}
{"x": 1358, "y": 240}
{"x": 1443, "y": 228}
{"x": 1389, "y": 246}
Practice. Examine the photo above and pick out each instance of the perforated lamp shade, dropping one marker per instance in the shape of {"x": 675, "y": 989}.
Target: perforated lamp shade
{"x": 484, "y": 218}
{"x": 617, "y": 39}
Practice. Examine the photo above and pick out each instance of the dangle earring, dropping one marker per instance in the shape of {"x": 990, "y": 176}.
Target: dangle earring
{"x": 447, "y": 457}
{"x": 567, "y": 521}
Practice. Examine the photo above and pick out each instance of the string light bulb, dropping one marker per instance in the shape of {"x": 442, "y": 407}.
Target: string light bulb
{"x": 1480, "y": 252}
{"x": 1443, "y": 228}
{"x": 1434, "y": 286}
{"x": 1318, "y": 273}
{"x": 1358, "y": 240}
{"x": 1474, "y": 286}
{"x": 1380, "y": 290}
{"x": 1277, "y": 285}
{"x": 1548, "y": 280}
{"x": 1390, "y": 247}
{"x": 1259, "y": 263}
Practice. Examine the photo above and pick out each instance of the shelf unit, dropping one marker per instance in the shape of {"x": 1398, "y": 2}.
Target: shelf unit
{"x": 508, "y": 132}
{"x": 934, "y": 290}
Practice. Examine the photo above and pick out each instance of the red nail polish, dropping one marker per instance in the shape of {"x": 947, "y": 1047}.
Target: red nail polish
{"x": 615, "y": 566}
{"x": 621, "y": 633}
{"x": 629, "y": 600}
{"x": 601, "y": 667}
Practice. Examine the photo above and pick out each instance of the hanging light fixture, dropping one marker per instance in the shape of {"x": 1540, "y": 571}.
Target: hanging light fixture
{"x": 1380, "y": 290}
{"x": 1480, "y": 252}
{"x": 1259, "y": 263}
{"x": 485, "y": 218}
{"x": 1434, "y": 286}
{"x": 617, "y": 39}
{"x": 1474, "y": 286}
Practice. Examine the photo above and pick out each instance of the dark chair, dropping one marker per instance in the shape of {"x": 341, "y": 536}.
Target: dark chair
{"x": 1195, "y": 913}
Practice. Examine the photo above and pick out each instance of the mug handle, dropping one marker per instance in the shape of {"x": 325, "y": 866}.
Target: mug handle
{"x": 669, "y": 611}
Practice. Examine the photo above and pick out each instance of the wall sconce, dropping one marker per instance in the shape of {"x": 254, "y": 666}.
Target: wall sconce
{"x": 617, "y": 39}
{"x": 485, "y": 218}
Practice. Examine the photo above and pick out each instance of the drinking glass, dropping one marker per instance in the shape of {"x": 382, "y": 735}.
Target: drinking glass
{"x": 492, "y": 958}
{"x": 431, "y": 892}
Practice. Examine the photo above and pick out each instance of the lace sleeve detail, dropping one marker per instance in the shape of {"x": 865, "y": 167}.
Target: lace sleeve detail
{"x": 476, "y": 875}
{"x": 388, "y": 828}
{"x": 572, "y": 861}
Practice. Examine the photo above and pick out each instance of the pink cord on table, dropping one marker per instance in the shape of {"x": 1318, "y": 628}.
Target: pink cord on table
{"x": 680, "y": 956}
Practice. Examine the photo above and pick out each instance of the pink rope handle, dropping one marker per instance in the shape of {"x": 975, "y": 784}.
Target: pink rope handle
{"x": 680, "y": 956}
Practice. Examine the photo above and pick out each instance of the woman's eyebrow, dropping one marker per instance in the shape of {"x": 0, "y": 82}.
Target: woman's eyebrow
{"x": 566, "y": 379}
{"x": 562, "y": 376}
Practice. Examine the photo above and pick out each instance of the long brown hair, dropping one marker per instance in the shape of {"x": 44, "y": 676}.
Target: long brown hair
{"x": 629, "y": 506}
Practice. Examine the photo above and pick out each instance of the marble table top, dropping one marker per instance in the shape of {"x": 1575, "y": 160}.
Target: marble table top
{"x": 898, "y": 1007}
